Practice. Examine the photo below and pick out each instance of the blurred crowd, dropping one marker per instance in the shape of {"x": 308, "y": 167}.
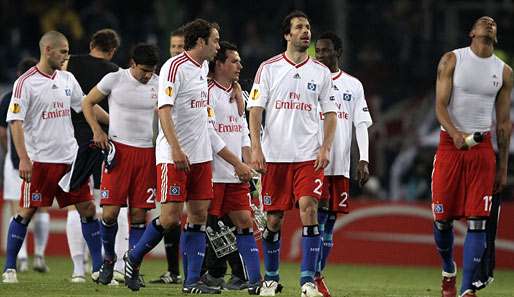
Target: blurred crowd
{"x": 392, "y": 46}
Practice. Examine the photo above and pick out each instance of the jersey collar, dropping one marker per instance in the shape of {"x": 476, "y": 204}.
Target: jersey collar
{"x": 46, "y": 75}
{"x": 292, "y": 63}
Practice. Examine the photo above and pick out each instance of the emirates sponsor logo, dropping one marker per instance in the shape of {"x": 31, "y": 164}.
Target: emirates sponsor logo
{"x": 342, "y": 115}
{"x": 222, "y": 128}
{"x": 198, "y": 103}
{"x": 293, "y": 103}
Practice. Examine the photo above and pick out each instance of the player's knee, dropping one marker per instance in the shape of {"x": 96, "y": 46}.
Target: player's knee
{"x": 198, "y": 217}
{"x": 477, "y": 224}
{"x": 138, "y": 215}
{"x": 244, "y": 222}
{"x": 168, "y": 222}
{"x": 25, "y": 215}
{"x": 86, "y": 209}
{"x": 443, "y": 225}
{"x": 274, "y": 220}
{"x": 309, "y": 211}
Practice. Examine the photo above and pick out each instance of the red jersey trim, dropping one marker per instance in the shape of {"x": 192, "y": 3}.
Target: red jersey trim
{"x": 194, "y": 62}
{"x": 228, "y": 90}
{"x": 21, "y": 80}
{"x": 337, "y": 75}
{"x": 172, "y": 73}
{"x": 46, "y": 75}
{"x": 269, "y": 61}
{"x": 292, "y": 63}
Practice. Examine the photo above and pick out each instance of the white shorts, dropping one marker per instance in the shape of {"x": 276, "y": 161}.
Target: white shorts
{"x": 12, "y": 181}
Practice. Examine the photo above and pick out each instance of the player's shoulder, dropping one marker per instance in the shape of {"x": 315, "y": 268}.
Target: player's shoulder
{"x": 318, "y": 65}
{"x": 175, "y": 65}
{"x": 345, "y": 76}
{"x": 27, "y": 78}
{"x": 273, "y": 60}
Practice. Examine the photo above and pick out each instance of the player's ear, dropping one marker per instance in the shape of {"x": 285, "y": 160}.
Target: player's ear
{"x": 132, "y": 63}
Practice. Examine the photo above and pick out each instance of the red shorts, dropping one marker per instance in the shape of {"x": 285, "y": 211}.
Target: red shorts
{"x": 462, "y": 180}
{"x": 178, "y": 186}
{"x": 336, "y": 189}
{"x": 285, "y": 183}
{"x": 229, "y": 197}
{"x": 132, "y": 180}
{"x": 44, "y": 186}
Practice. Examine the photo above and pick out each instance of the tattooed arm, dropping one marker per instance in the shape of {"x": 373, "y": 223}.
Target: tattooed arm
{"x": 503, "y": 129}
{"x": 443, "y": 91}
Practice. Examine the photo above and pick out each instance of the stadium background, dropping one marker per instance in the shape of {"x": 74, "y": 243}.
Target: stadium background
{"x": 392, "y": 46}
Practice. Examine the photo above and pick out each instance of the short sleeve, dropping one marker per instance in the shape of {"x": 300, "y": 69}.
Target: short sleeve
{"x": 19, "y": 103}
{"x": 361, "y": 112}
{"x": 259, "y": 95}
{"x": 108, "y": 82}
{"x": 76, "y": 95}
{"x": 326, "y": 96}
{"x": 169, "y": 85}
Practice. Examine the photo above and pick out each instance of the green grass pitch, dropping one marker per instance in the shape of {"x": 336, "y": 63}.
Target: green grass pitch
{"x": 343, "y": 280}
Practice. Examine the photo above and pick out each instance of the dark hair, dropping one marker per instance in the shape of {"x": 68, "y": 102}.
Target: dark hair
{"x": 198, "y": 28}
{"x": 179, "y": 32}
{"x": 336, "y": 41}
{"x": 221, "y": 56}
{"x": 25, "y": 64}
{"x": 105, "y": 40}
{"x": 145, "y": 54}
{"x": 286, "y": 23}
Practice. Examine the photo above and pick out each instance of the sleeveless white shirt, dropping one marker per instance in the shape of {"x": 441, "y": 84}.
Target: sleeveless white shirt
{"x": 476, "y": 82}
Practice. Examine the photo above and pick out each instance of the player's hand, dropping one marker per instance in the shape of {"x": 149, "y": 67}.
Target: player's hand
{"x": 25, "y": 169}
{"x": 258, "y": 161}
{"x": 237, "y": 95}
{"x": 362, "y": 172}
{"x": 500, "y": 180}
{"x": 458, "y": 140}
{"x": 322, "y": 159}
{"x": 100, "y": 139}
{"x": 180, "y": 160}
{"x": 244, "y": 172}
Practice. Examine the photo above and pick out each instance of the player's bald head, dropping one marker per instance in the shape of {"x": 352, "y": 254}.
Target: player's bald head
{"x": 51, "y": 39}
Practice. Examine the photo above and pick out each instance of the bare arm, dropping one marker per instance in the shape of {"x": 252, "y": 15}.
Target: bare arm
{"x": 18, "y": 135}
{"x": 168, "y": 128}
{"x": 258, "y": 161}
{"x": 503, "y": 129}
{"x": 237, "y": 94}
{"x": 242, "y": 170}
{"x": 101, "y": 115}
{"x": 443, "y": 91}
{"x": 247, "y": 155}
{"x": 88, "y": 109}
{"x": 329, "y": 129}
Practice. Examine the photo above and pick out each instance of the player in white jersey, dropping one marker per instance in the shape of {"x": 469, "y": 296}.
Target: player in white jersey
{"x": 471, "y": 83}
{"x": 231, "y": 196}
{"x": 293, "y": 89}
{"x": 40, "y": 119}
{"x": 172, "y": 237}
{"x": 183, "y": 156}
{"x": 130, "y": 182}
{"x": 12, "y": 185}
{"x": 352, "y": 112}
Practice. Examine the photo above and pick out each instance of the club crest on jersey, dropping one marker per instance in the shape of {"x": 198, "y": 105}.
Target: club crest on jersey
{"x": 255, "y": 94}
{"x": 15, "y": 108}
{"x": 311, "y": 86}
{"x": 104, "y": 194}
{"x": 266, "y": 200}
{"x": 67, "y": 92}
{"x": 347, "y": 97}
{"x": 175, "y": 190}
{"x": 36, "y": 197}
{"x": 168, "y": 91}
{"x": 438, "y": 208}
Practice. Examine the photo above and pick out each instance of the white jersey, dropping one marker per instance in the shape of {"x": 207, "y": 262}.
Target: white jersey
{"x": 131, "y": 107}
{"x": 183, "y": 84}
{"x": 231, "y": 127}
{"x": 43, "y": 103}
{"x": 352, "y": 108}
{"x": 292, "y": 95}
{"x": 476, "y": 82}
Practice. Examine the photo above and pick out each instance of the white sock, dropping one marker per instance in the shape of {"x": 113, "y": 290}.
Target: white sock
{"x": 78, "y": 265}
{"x": 121, "y": 243}
{"x": 41, "y": 231}
{"x": 76, "y": 241}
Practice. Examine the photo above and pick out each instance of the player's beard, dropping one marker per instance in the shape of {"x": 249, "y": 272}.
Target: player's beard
{"x": 300, "y": 47}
